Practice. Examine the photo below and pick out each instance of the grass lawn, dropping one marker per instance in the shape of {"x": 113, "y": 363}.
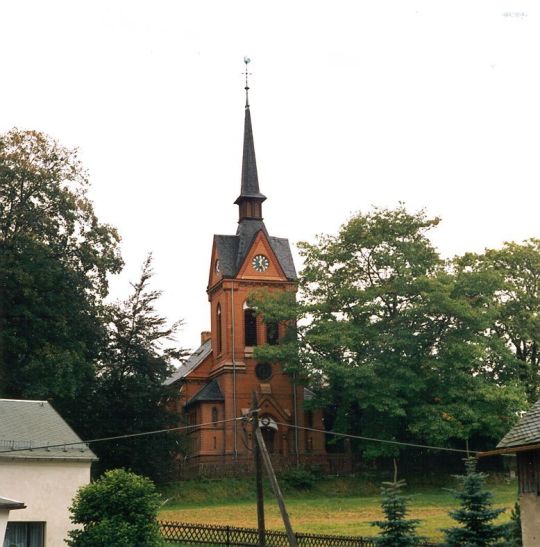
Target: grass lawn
{"x": 331, "y": 513}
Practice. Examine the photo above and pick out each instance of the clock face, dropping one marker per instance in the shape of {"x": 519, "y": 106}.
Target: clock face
{"x": 260, "y": 263}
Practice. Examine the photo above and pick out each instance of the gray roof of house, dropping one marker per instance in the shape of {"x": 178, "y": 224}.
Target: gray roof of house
{"x": 196, "y": 358}
{"x": 526, "y": 431}
{"x": 6, "y": 503}
{"x": 33, "y": 429}
{"x": 210, "y": 392}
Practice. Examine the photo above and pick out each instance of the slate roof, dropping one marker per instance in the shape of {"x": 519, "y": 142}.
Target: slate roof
{"x": 232, "y": 250}
{"x": 26, "y": 426}
{"x": 526, "y": 431}
{"x": 250, "y": 181}
{"x": 210, "y": 392}
{"x": 196, "y": 358}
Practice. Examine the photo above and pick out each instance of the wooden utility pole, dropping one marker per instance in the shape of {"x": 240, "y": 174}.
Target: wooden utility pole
{"x": 258, "y": 471}
{"x": 275, "y": 487}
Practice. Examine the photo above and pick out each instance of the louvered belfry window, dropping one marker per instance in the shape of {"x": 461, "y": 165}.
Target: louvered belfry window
{"x": 250, "y": 327}
{"x": 219, "y": 330}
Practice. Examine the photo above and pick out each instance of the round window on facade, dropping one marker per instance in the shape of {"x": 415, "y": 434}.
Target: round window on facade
{"x": 263, "y": 371}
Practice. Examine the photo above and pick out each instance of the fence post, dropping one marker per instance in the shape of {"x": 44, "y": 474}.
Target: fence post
{"x": 228, "y": 536}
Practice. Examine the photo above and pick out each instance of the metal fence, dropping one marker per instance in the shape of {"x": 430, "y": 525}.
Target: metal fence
{"x": 207, "y": 534}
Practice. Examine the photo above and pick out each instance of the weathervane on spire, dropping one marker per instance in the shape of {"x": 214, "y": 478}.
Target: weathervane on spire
{"x": 247, "y": 60}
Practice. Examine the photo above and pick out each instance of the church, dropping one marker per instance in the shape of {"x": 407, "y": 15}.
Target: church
{"x": 216, "y": 383}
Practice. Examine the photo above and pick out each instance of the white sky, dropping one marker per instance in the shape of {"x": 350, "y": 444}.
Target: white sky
{"x": 354, "y": 103}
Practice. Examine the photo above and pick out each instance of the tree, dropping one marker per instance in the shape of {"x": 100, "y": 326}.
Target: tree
{"x": 391, "y": 338}
{"x": 117, "y": 510}
{"x": 396, "y": 530}
{"x": 130, "y": 393}
{"x": 475, "y": 513}
{"x": 54, "y": 260}
{"x": 513, "y": 534}
{"x": 515, "y": 329}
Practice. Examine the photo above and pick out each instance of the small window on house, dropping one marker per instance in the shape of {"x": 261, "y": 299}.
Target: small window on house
{"x": 218, "y": 329}
{"x": 309, "y": 418}
{"x": 250, "y": 326}
{"x": 215, "y": 443}
{"x": 215, "y": 415}
{"x": 272, "y": 332}
{"x": 27, "y": 534}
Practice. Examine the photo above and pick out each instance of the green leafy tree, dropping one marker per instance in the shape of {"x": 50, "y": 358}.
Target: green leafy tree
{"x": 396, "y": 529}
{"x": 130, "y": 394}
{"x": 117, "y": 510}
{"x": 391, "y": 339}
{"x": 515, "y": 329}
{"x": 54, "y": 260}
{"x": 475, "y": 514}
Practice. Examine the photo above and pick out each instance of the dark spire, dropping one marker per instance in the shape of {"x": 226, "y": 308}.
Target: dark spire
{"x": 250, "y": 197}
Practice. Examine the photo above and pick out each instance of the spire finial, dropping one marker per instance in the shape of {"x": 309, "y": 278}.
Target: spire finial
{"x": 247, "y": 60}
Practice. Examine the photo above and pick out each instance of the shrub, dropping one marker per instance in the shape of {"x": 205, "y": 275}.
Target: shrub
{"x": 117, "y": 510}
{"x": 299, "y": 478}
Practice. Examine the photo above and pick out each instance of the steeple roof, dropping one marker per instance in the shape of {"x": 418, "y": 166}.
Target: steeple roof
{"x": 249, "y": 189}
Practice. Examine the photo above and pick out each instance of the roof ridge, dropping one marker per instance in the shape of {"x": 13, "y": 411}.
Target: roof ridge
{"x": 24, "y": 401}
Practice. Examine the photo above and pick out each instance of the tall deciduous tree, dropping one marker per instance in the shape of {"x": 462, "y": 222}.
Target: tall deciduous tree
{"x": 392, "y": 340}
{"x": 54, "y": 260}
{"x": 130, "y": 393}
{"x": 515, "y": 330}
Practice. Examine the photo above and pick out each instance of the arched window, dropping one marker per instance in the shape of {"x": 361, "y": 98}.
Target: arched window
{"x": 250, "y": 326}
{"x": 214, "y": 415}
{"x": 218, "y": 330}
{"x": 272, "y": 332}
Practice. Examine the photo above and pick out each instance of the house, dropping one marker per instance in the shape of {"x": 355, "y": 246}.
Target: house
{"x": 523, "y": 440}
{"x": 38, "y": 464}
{"x": 7, "y": 505}
{"x": 216, "y": 383}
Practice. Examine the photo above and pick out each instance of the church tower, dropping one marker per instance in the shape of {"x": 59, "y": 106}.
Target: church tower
{"x": 217, "y": 381}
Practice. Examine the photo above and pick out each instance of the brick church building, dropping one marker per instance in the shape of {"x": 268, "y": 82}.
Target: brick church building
{"x": 216, "y": 382}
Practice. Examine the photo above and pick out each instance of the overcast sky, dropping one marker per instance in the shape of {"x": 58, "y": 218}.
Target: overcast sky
{"x": 354, "y": 103}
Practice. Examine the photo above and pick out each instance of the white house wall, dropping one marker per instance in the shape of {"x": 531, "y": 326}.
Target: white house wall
{"x": 4, "y": 515}
{"x": 47, "y": 488}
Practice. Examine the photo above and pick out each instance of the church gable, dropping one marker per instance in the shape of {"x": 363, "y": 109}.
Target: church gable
{"x": 215, "y": 274}
{"x": 261, "y": 262}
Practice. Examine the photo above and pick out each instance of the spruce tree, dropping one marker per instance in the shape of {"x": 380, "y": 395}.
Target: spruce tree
{"x": 513, "y": 528}
{"x": 396, "y": 530}
{"x": 475, "y": 513}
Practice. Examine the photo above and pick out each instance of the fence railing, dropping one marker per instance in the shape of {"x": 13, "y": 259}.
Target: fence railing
{"x": 208, "y": 534}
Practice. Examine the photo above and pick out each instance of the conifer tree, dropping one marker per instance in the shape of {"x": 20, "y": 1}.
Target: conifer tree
{"x": 513, "y": 530}
{"x": 396, "y": 530}
{"x": 475, "y": 513}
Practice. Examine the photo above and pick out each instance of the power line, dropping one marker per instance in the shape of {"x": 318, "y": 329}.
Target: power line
{"x": 349, "y": 436}
{"x": 126, "y": 436}
{"x": 197, "y": 426}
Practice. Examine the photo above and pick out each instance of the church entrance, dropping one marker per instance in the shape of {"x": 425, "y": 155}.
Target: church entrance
{"x": 268, "y": 429}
